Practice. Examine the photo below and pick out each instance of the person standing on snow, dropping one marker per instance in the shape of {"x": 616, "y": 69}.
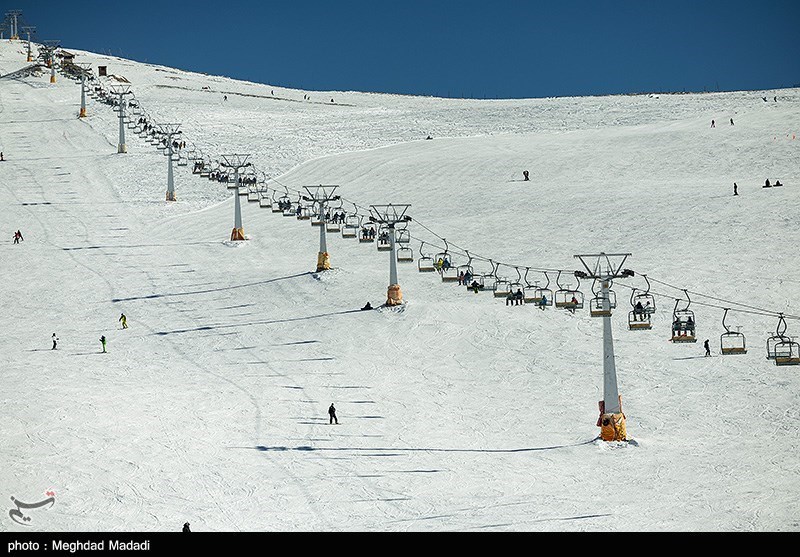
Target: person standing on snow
{"x": 525, "y": 176}
{"x": 713, "y": 124}
{"x": 103, "y": 342}
{"x": 55, "y": 341}
{"x": 735, "y": 189}
{"x": 124, "y": 321}
{"x": 332, "y": 414}
{"x": 708, "y": 349}
{"x": 731, "y": 121}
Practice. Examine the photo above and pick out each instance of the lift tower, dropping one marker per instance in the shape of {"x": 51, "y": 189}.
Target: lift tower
{"x": 605, "y": 268}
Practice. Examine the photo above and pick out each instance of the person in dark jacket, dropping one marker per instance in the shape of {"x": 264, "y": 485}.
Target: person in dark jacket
{"x": 707, "y": 347}
{"x": 186, "y": 527}
{"x": 332, "y": 414}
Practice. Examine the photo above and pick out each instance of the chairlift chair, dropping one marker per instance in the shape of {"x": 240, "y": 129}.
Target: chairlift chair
{"x": 304, "y": 212}
{"x": 596, "y": 308}
{"x": 777, "y": 338}
{"x": 368, "y": 233}
{"x": 384, "y": 241}
{"x": 542, "y": 296}
{"x": 264, "y": 201}
{"x": 517, "y": 286}
{"x": 351, "y": 226}
{"x": 466, "y": 271}
{"x": 683, "y": 322}
{"x": 501, "y": 286}
{"x": 787, "y": 353}
{"x": 425, "y": 263}
{"x": 647, "y": 300}
{"x": 275, "y": 204}
{"x": 402, "y": 236}
{"x": 568, "y": 298}
{"x": 638, "y": 319}
{"x": 731, "y": 342}
{"x": 405, "y": 254}
{"x": 333, "y": 227}
{"x": 289, "y": 206}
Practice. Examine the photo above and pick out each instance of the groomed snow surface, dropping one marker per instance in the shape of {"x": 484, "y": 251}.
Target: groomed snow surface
{"x": 456, "y": 414}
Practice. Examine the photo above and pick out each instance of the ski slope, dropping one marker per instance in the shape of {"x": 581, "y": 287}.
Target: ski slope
{"x": 457, "y": 413}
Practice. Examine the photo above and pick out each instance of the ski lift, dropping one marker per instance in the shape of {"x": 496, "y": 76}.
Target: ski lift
{"x": 596, "y": 307}
{"x": 568, "y": 298}
{"x": 331, "y": 226}
{"x": 731, "y": 342}
{"x": 502, "y": 286}
{"x": 384, "y": 241}
{"x": 638, "y": 317}
{"x": 465, "y": 272}
{"x": 405, "y": 254}
{"x": 303, "y": 210}
{"x": 368, "y": 232}
{"x": 647, "y": 300}
{"x": 787, "y": 353}
{"x": 517, "y": 285}
{"x": 289, "y": 206}
{"x": 351, "y": 226}
{"x": 542, "y": 296}
{"x": 275, "y": 204}
{"x": 402, "y": 235}
{"x": 265, "y": 202}
{"x": 489, "y": 280}
{"x": 444, "y": 264}
{"x": 683, "y": 323}
{"x": 777, "y": 338}
{"x": 425, "y": 264}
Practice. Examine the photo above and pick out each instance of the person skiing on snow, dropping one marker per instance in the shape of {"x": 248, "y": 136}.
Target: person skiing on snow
{"x": 124, "y": 321}
{"x": 103, "y": 342}
{"x": 525, "y": 175}
{"x": 735, "y": 189}
{"x": 713, "y": 124}
{"x": 16, "y": 237}
{"x": 332, "y": 414}
{"x": 731, "y": 121}
{"x": 707, "y": 347}
{"x": 55, "y": 341}
{"x": 186, "y": 527}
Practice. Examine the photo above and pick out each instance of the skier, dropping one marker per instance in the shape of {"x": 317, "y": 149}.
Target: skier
{"x": 332, "y": 414}
{"x": 124, "y": 321}
{"x": 518, "y": 297}
{"x": 731, "y": 121}
{"x": 777, "y": 185}
{"x": 55, "y": 341}
{"x": 1, "y": 157}
{"x": 735, "y": 189}
{"x": 20, "y": 235}
{"x": 509, "y": 298}
{"x": 638, "y": 311}
{"x": 16, "y": 237}
{"x": 708, "y": 349}
{"x": 713, "y": 125}
{"x": 366, "y": 306}
{"x": 186, "y": 527}
{"x": 525, "y": 175}
{"x": 224, "y": 97}
{"x": 766, "y": 184}
{"x": 103, "y": 342}
{"x": 543, "y": 302}
{"x": 475, "y": 286}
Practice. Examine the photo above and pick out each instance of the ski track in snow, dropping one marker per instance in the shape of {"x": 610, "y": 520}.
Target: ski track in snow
{"x": 458, "y": 413}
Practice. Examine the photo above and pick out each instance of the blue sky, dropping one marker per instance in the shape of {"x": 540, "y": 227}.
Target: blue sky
{"x": 459, "y": 48}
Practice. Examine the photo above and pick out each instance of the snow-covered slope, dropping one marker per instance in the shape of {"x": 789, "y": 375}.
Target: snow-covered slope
{"x": 458, "y": 413}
